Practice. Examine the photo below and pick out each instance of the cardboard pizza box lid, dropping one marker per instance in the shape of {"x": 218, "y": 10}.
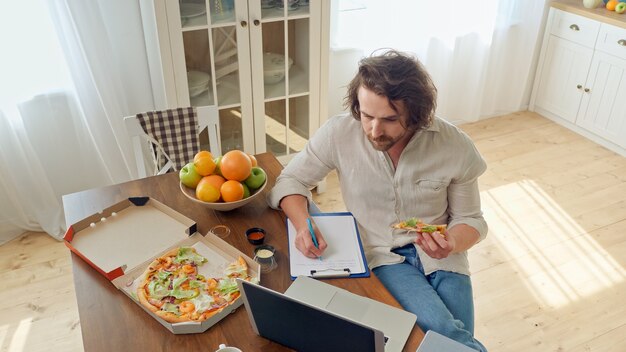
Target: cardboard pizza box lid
{"x": 121, "y": 237}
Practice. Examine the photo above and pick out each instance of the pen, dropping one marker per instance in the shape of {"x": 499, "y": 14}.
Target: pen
{"x": 308, "y": 222}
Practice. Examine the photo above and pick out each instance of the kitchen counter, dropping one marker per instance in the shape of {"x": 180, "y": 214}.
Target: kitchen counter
{"x": 599, "y": 14}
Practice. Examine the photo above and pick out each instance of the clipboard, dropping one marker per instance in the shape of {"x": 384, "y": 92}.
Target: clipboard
{"x": 344, "y": 256}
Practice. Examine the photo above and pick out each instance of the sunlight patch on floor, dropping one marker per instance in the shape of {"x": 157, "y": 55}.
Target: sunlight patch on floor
{"x": 19, "y": 338}
{"x": 4, "y": 331}
{"x": 560, "y": 261}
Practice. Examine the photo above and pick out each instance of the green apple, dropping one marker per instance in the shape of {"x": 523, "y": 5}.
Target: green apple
{"x": 217, "y": 170}
{"x": 246, "y": 191}
{"x": 621, "y": 7}
{"x": 189, "y": 176}
{"x": 256, "y": 179}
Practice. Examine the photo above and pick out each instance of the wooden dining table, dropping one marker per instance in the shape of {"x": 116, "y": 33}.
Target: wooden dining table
{"x": 110, "y": 321}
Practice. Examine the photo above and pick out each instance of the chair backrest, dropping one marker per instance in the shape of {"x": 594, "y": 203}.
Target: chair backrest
{"x": 207, "y": 118}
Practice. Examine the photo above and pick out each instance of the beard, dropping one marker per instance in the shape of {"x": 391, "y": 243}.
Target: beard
{"x": 383, "y": 143}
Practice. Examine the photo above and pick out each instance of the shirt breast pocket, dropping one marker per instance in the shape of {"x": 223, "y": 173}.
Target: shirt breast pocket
{"x": 432, "y": 192}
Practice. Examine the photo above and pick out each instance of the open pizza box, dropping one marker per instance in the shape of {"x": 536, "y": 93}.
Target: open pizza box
{"x": 122, "y": 240}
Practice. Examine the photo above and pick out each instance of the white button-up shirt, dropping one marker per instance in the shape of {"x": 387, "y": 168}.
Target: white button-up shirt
{"x": 435, "y": 181}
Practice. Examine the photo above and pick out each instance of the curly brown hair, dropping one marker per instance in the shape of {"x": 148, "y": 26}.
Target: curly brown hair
{"x": 399, "y": 77}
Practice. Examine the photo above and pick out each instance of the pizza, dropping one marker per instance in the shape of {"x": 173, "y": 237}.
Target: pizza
{"x": 172, "y": 288}
{"x": 415, "y": 224}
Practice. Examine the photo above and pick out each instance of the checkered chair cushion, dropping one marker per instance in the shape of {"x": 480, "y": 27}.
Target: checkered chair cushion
{"x": 174, "y": 132}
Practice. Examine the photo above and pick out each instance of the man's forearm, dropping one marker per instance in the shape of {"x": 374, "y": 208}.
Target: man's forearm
{"x": 296, "y": 207}
{"x": 465, "y": 237}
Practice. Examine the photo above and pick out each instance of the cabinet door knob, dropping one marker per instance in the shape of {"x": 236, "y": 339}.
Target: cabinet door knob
{"x": 244, "y": 24}
{"x": 621, "y": 42}
{"x": 574, "y": 27}
{"x": 256, "y": 22}
{"x": 587, "y": 90}
{"x": 579, "y": 86}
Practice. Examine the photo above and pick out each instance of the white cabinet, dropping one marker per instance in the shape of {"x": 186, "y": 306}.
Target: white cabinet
{"x": 581, "y": 78}
{"x": 565, "y": 70}
{"x": 603, "y": 107}
{"x": 260, "y": 62}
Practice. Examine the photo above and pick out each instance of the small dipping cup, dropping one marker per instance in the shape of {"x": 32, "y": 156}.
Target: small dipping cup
{"x": 255, "y": 235}
{"x": 264, "y": 255}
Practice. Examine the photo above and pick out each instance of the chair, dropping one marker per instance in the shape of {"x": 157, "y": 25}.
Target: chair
{"x": 173, "y": 136}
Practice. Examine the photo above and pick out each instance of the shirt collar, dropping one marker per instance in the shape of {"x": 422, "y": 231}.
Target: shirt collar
{"x": 434, "y": 127}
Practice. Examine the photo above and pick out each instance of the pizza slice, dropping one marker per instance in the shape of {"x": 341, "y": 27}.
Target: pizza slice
{"x": 173, "y": 289}
{"x": 236, "y": 269}
{"x": 415, "y": 224}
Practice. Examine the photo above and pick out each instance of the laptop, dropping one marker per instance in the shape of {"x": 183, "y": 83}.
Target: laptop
{"x": 314, "y": 316}
{"x": 435, "y": 342}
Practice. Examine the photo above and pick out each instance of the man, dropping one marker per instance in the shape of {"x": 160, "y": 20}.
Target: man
{"x": 396, "y": 160}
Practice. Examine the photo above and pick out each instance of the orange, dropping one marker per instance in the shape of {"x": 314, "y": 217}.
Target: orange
{"x": 207, "y": 192}
{"x": 232, "y": 191}
{"x": 253, "y": 160}
{"x": 202, "y": 154}
{"x": 611, "y": 5}
{"x": 204, "y": 165}
{"x": 216, "y": 180}
{"x": 235, "y": 165}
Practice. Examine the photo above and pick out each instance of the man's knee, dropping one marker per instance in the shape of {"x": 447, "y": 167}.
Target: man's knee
{"x": 445, "y": 326}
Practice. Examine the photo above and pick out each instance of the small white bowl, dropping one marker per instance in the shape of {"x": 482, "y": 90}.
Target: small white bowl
{"x": 221, "y": 206}
{"x": 198, "y": 82}
{"x": 274, "y": 67}
{"x": 195, "y": 91}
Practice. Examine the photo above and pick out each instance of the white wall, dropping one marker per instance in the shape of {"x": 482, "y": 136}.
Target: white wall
{"x": 342, "y": 67}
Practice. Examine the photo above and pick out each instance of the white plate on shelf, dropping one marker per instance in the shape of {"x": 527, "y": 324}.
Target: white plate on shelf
{"x": 189, "y": 10}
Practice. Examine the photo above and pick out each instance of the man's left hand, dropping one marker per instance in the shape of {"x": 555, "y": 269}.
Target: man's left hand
{"x": 435, "y": 244}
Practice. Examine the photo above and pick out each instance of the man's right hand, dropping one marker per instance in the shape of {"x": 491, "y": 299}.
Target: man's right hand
{"x": 304, "y": 241}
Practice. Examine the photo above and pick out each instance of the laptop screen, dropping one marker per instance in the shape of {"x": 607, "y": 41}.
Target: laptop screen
{"x": 303, "y": 327}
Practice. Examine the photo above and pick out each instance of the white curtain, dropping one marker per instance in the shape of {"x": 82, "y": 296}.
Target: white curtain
{"x": 71, "y": 70}
{"x": 481, "y": 54}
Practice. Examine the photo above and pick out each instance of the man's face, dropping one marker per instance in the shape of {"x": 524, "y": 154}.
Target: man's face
{"x": 383, "y": 126}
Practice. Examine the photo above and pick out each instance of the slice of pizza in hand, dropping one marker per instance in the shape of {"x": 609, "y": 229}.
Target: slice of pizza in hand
{"x": 415, "y": 224}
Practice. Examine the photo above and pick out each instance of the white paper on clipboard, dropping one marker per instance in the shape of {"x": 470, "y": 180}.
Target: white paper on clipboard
{"x": 342, "y": 258}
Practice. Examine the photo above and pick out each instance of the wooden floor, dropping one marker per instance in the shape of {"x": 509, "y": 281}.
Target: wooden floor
{"x": 549, "y": 277}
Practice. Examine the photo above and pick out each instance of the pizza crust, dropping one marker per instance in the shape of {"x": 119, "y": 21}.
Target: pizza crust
{"x": 419, "y": 226}
{"x": 141, "y": 295}
{"x": 173, "y": 318}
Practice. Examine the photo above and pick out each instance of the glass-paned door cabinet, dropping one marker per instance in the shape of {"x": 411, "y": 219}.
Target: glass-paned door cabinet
{"x": 259, "y": 61}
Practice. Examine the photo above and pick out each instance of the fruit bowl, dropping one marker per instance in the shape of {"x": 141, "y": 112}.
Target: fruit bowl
{"x": 221, "y": 206}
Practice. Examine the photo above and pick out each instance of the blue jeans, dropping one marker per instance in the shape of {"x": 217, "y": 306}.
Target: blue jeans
{"x": 442, "y": 301}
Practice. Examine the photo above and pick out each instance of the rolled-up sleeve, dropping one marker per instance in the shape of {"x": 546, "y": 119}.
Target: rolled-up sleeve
{"x": 464, "y": 195}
